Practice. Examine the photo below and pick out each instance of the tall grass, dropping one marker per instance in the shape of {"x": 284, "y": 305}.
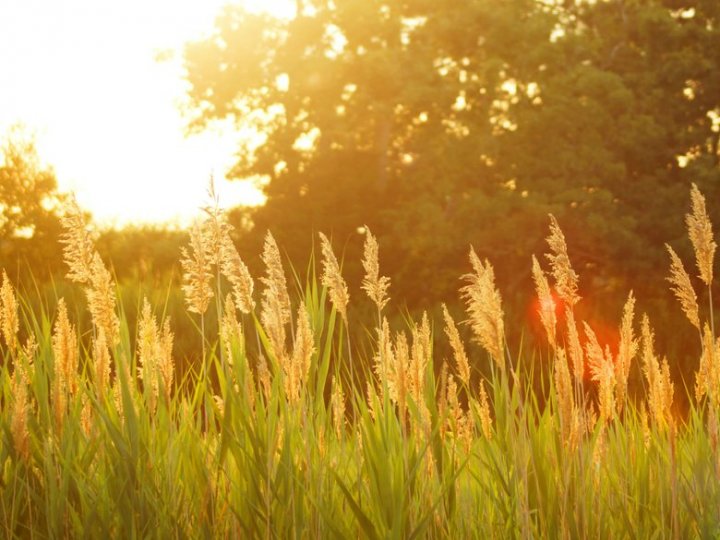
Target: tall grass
{"x": 289, "y": 428}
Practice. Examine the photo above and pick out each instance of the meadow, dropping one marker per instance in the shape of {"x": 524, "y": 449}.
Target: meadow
{"x": 293, "y": 426}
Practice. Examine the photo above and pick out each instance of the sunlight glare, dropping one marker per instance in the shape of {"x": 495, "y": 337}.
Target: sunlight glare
{"x": 84, "y": 77}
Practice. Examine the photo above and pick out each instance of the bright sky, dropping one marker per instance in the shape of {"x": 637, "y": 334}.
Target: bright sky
{"x": 82, "y": 75}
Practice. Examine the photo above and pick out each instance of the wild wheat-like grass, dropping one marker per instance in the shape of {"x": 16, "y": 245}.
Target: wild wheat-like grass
{"x": 87, "y": 267}
{"x": 462, "y": 364}
{"x": 546, "y": 302}
{"x": 484, "y": 306}
{"x": 602, "y": 370}
{"x": 627, "y": 349}
{"x": 566, "y": 280}
{"x": 275, "y": 307}
{"x": 659, "y": 385}
{"x": 237, "y": 274}
{"x": 8, "y": 314}
{"x": 683, "y": 289}
{"x": 66, "y": 362}
{"x": 197, "y": 274}
{"x": 332, "y": 278}
{"x": 373, "y": 284}
{"x": 701, "y": 235}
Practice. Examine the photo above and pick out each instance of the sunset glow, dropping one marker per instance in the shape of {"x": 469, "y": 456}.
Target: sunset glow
{"x": 85, "y": 77}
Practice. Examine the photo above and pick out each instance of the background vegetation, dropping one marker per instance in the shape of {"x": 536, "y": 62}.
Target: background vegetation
{"x": 438, "y": 125}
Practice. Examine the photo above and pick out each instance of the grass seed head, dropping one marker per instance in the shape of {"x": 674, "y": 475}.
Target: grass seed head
{"x": 197, "y": 271}
{"x": 701, "y": 235}
{"x": 275, "y": 313}
{"x": 484, "y": 306}
{"x": 546, "y": 302}
{"x": 373, "y": 284}
{"x": 462, "y": 364}
{"x": 566, "y": 280}
{"x": 683, "y": 289}
{"x": 237, "y": 273}
{"x": 8, "y": 314}
{"x": 332, "y": 278}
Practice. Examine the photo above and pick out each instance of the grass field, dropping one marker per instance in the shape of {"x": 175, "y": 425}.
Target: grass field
{"x": 289, "y": 428}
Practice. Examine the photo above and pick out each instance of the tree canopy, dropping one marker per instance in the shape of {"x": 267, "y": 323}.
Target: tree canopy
{"x": 441, "y": 124}
{"x": 29, "y": 205}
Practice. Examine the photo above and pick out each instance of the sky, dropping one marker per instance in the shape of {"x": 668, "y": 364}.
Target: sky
{"x": 83, "y": 77}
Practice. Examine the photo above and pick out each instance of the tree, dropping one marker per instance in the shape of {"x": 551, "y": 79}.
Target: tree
{"x": 29, "y": 205}
{"x": 441, "y": 124}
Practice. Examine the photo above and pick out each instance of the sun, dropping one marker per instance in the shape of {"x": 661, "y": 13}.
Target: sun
{"x": 83, "y": 75}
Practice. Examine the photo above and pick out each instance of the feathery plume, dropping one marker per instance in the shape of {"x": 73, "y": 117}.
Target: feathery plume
{"x": 384, "y": 358}
{"x": 197, "y": 277}
{"x": 660, "y": 387}
{"x": 485, "y": 418}
{"x": 275, "y": 312}
{"x": 9, "y": 314}
{"x": 701, "y": 235}
{"x": 20, "y": 412}
{"x": 484, "y": 306}
{"x": 373, "y": 284}
{"x": 101, "y": 301}
{"x": 626, "y": 351}
{"x": 462, "y": 364}
{"x": 237, "y": 273}
{"x": 149, "y": 355}
{"x": 707, "y": 377}
{"x": 101, "y": 356}
{"x": 332, "y": 278}
{"x": 338, "y": 407}
{"x": 86, "y": 267}
{"x": 296, "y": 368}
{"x": 79, "y": 250}
{"x": 683, "y": 289}
{"x": 602, "y": 370}
{"x": 566, "y": 280}
{"x": 565, "y": 401}
{"x": 65, "y": 353}
{"x": 546, "y": 301}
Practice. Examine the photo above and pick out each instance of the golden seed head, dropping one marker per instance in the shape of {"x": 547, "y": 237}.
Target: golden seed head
{"x": 101, "y": 301}
{"x": 683, "y": 289}
{"x": 462, "y": 364}
{"x": 197, "y": 274}
{"x": 602, "y": 370}
{"x": 546, "y": 301}
{"x": 297, "y": 367}
{"x": 332, "y": 278}
{"x": 275, "y": 312}
{"x": 65, "y": 353}
{"x": 577, "y": 357}
{"x": 566, "y": 280}
{"x": 660, "y": 387}
{"x": 484, "y": 409}
{"x": 627, "y": 350}
{"x": 237, "y": 273}
{"x": 373, "y": 284}
{"x": 338, "y": 407}
{"x": 79, "y": 250}
{"x": 149, "y": 355}
{"x": 701, "y": 235}
{"x": 565, "y": 401}
{"x": 9, "y": 314}
{"x": 101, "y": 356}
{"x": 484, "y": 306}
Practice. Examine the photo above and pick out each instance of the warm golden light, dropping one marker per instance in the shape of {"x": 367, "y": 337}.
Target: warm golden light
{"x": 85, "y": 77}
